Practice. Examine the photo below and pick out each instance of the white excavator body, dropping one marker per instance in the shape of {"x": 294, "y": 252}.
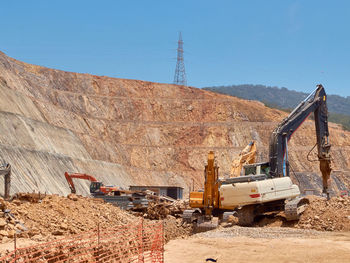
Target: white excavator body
{"x": 256, "y": 192}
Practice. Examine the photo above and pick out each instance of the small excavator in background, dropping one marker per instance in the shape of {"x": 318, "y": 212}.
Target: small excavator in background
{"x": 125, "y": 199}
{"x": 265, "y": 187}
{"x": 5, "y": 170}
{"x": 96, "y": 187}
{"x": 246, "y": 156}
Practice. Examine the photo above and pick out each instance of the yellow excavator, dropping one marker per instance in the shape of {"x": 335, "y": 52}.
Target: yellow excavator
{"x": 265, "y": 187}
{"x": 246, "y": 156}
{"x": 211, "y": 186}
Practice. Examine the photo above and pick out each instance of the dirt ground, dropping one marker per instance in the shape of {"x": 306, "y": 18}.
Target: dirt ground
{"x": 261, "y": 245}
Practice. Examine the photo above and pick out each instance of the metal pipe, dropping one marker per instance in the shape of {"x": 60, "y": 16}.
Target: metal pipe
{"x": 303, "y": 102}
{"x": 312, "y": 93}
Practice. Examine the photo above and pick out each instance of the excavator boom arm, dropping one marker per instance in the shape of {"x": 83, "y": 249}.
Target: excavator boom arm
{"x": 211, "y": 188}
{"x": 69, "y": 178}
{"x": 316, "y": 103}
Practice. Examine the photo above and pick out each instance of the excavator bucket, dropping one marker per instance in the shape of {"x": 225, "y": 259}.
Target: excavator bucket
{"x": 200, "y": 222}
{"x": 206, "y": 225}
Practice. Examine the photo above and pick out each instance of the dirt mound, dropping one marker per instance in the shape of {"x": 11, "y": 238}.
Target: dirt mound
{"x": 171, "y": 214}
{"x": 46, "y": 217}
{"x": 56, "y": 216}
{"x": 175, "y": 228}
{"x": 331, "y": 215}
{"x": 160, "y": 210}
{"x": 321, "y": 214}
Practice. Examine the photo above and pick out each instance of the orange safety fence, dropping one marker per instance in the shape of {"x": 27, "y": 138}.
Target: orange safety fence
{"x": 141, "y": 242}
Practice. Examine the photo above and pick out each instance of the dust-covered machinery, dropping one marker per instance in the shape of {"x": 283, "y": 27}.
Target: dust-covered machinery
{"x": 96, "y": 187}
{"x": 264, "y": 187}
{"x": 246, "y": 156}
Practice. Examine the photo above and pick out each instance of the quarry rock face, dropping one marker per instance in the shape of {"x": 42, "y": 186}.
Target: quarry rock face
{"x": 131, "y": 132}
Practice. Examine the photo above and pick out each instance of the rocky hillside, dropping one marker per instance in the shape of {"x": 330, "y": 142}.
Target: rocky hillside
{"x": 285, "y": 99}
{"x": 281, "y": 97}
{"x": 131, "y": 132}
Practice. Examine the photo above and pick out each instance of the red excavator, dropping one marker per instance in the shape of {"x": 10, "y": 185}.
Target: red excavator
{"x": 96, "y": 187}
{"x": 111, "y": 194}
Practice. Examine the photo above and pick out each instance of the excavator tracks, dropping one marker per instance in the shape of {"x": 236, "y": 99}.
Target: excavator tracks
{"x": 295, "y": 207}
{"x": 188, "y": 216}
{"x": 199, "y": 221}
{"x": 204, "y": 226}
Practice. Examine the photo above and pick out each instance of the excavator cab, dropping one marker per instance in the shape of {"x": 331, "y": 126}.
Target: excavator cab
{"x": 95, "y": 187}
{"x": 257, "y": 169}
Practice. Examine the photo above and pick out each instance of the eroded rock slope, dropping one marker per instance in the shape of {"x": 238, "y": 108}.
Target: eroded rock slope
{"x": 132, "y": 132}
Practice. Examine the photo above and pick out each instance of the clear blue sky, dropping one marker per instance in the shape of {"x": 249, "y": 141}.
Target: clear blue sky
{"x": 293, "y": 44}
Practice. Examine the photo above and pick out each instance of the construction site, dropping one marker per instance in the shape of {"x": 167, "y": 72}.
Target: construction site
{"x": 100, "y": 169}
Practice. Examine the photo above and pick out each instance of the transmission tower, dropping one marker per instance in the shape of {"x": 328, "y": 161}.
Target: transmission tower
{"x": 180, "y": 74}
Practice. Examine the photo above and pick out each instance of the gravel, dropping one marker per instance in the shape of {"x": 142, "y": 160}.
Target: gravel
{"x": 258, "y": 232}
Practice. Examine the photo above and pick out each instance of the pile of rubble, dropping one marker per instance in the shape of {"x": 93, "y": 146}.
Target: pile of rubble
{"x": 331, "y": 215}
{"x": 321, "y": 214}
{"x": 171, "y": 213}
{"x": 9, "y": 226}
{"x": 41, "y": 218}
{"x": 176, "y": 228}
{"x": 160, "y": 210}
{"x": 46, "y": 217}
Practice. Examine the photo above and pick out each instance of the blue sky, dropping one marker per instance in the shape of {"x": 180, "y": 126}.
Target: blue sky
{"x": 293, "y": 44}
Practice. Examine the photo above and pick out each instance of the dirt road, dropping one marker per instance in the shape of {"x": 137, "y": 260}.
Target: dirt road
{"x": 261, "y": 245}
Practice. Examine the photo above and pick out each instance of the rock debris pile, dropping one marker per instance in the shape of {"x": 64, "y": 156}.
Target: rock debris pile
{"x": 54, "y": 215}
{"x": 175, "y": 228}
{"x": 46, "y": 217}
{"x": 160, "y": 210}
{"x": 331, "y": 215}
{"x": 321, "y": 214}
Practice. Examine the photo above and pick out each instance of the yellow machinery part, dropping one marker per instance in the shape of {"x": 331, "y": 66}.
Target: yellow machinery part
{"x": 246, "y": 156}
{"x": 196, "y": 199}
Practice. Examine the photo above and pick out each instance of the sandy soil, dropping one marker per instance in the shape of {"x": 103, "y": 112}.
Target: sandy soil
{"x": 269, "y": 245}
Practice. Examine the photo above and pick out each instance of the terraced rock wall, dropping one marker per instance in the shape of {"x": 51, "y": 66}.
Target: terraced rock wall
{"x": 132, "y": 132}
